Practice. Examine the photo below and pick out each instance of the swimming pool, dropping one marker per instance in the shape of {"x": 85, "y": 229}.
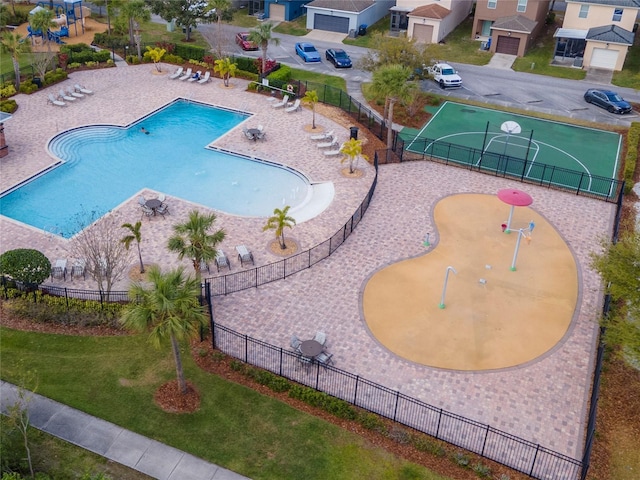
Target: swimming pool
{"x": 104, "y": 165}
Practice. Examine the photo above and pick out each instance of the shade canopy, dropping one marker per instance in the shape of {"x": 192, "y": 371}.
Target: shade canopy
{"x": 516, "y": 198}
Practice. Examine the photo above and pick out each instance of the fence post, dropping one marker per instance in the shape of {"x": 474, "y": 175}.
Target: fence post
{"x": 486, "y": 434}
{"x": 317, "y": 375}
{"x": 246, "y": 348}
{"x": 579, "y": 184}
{"x": 66, "y": 297}
{"x": 533, "y": 463}
{"x": 284, "y": 268}
{"x": 281, "y": 356}
{"x": 395, "y": 408}
{"x": 355, "y": 393}
{"x": 438, "y": 427}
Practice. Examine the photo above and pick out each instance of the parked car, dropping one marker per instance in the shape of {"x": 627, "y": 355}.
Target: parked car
{"x": 607, "y": 99}
{"x": 307, "y": 52}
{"x": 338, "y": 57}
{"x": 444, "y": 75}
{"x": 242, "y": 39}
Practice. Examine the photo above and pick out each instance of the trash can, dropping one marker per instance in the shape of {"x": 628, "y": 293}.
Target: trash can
{"x": 353, "y": 33}
{"x": 363, "y": 29}
{"x": 354, "y": 133}
{"x": 171, "y": 26}
{"x": 37, "y": 82}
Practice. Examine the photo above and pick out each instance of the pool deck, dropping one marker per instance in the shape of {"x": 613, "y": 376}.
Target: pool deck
{"x": 543, "y": 401}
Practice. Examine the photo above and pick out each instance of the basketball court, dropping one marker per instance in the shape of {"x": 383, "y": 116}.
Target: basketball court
{"x": 535, "y": 148}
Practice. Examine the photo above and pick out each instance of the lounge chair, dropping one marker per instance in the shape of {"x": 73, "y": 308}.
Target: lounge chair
{"x": 53, "y": 101}
{"x": 333, "y": 152}
{"x": 81, "y": 89}
{"x": 244, "y": 255}
{"x": 331, "y": 142}
{"x": 206, "y": 78}
{"x": 177, "y": 73}
{"x": 66, "y": 97}
{"x": 282, "y": 103}
{"x": 73, "y": 93}
{"x": 186, "y": 75}
{"x": 221, "y": 260}
{"x": 321, "y": 338}
{"x": 322, "y": 136}
{"x": 60, "y": 269}
{"x": 78, "y": 269}
{"x": 204, "y": 266}
{"x": 295, "y": 107}
{"x": 195, "y": 77}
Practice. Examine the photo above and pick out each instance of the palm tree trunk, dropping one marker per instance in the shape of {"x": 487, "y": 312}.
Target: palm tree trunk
{"x": 282, "y": 244}
{"x": 390, "y": 124}
{"x": 140, "y": 257}
{"x": 179, "y": 370}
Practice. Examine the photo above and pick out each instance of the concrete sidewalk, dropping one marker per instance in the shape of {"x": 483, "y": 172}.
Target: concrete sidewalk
{"x": 113, "y": 442}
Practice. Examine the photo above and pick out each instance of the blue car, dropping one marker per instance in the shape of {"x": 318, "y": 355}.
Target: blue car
{"x": 338, "y": 57}
{"x": 307, "y": 52}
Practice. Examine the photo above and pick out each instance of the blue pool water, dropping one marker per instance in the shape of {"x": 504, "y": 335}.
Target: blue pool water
{"x": 106, "y": 165}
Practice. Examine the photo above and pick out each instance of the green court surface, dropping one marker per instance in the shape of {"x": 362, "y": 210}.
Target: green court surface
{"x": 538, "y": 150}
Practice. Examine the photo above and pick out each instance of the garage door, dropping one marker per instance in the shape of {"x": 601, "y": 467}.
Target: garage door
{"x": 423, "y": 33}
{"x": 331, "y": 24}
{"x": 276, "y": 12}
{"x": 508, "y": 45}
{"x": 603, "y": 58}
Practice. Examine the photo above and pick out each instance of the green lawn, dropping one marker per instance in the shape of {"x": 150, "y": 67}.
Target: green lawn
{"x": 630, "y": 75}
{"x": 115, "y": 378}
{"x": 297, "y": 27}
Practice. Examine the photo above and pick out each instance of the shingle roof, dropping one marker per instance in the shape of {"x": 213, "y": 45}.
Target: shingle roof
{"x": 344, "y": 5}
{"x": 515, "y": 23}
{"x": 611, "y": 34}
{"x": 430, "y": 11}
{"x": 611, "y": 3}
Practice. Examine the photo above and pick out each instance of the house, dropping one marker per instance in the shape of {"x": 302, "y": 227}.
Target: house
{"x": 509, "y": 26}
{"x": 345, "y": 16}
{"x": 429, "y": 21}
{"x": 284, "y": 10}
{"x": 597, "y": 33}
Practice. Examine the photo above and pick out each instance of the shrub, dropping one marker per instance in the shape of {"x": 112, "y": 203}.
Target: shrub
{"x": 7, "y": 91}
{"x": 238, "y": 366}
{"x": 190, "y": 51}
{"x": 218, "y": 356}
{"x": 28, "y": 87}
{"x": 330, "y": 404}
{"x": 633, "y": 141}
{"x": 371, "y": 421}
{"x": 54, "y": 76}
{"x": 399, "y": 435}
{"x": 482, "y": 470}
{"x": 74, "y": 65}
{"x": 175, "y": 59}
{"x": 8, "y": 106}
{"x": 246, "y": 64}
{"x": 25, "y": 265}
{"x": 423, "y": 443}
{"x": 461, "y": 459}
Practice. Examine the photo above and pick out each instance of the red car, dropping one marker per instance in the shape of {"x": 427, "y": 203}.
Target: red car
{"x": 242, "y": 39}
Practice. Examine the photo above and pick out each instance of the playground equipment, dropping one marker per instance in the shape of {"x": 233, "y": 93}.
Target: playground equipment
{"x": 444, "y": 288}
{"x": 68, "y": 13}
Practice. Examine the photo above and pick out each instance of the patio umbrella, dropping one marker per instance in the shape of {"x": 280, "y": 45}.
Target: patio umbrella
{"x": 515, "y": 198}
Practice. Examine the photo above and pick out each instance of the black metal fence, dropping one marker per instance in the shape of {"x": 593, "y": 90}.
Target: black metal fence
{"x": 521, "y": 455}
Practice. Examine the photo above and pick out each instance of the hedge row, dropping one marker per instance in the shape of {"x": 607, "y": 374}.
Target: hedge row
{"x": 633, "y": 143}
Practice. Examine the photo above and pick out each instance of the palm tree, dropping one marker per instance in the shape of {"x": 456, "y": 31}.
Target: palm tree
{"x": 135, "y": 11}
{"x": 168, "y": 310}
{"x": 193, "y": 240}
{"x": 278, "y": 222}
{"x": 42, "y": 21}
{"x": 262, "y": 36}
{"x": 14, "y": 46}
{"x": 352, "y": 150}
{"x": 134, "y": 235}
{"x": 220, "y": 7}
{"x": 226, "y": 69}
{"x": 390, "y": 82}
{"x": 311, "y": 98}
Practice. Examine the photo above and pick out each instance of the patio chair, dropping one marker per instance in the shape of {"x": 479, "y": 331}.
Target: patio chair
{"x": 282, "y": 103}
{"x": 73, "y": 93}
{"x": 295, "y": 343}
{"x": 195, "y": 77}
{"x": 221, "y": 260}
{"x": 244, "y": 255}
{"x": 332, "y": 142}
{"x": 324, "y": 358}
{"x": 204, "y": 266}
{"x": 60, "y": 269}
{"x": 321, "y": 338}
{"x": 66, "y": 97}
{"x": 206, "y": 78}
{"x": 295, "y": 107}
{"x": 141, "y": 200}
{"x": 82, "y": 89}
{"x": 163, "y": 209}
{"x": 262, "y": 136}
{"x": 147, "y": 212}
{"x": 322, "y": 136}
{"x": 78, "y": 269}
{"x": 53, "y": 101}
{"x": 162, "y": 197}
{"x": 177, "y": 73}
{"x": 186, "y": 75}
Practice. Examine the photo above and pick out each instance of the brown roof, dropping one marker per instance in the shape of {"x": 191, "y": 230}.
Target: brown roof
{"x": 430, "y": 11}
{"x": 516, "y": 23}
{"x": 344, "y": 5}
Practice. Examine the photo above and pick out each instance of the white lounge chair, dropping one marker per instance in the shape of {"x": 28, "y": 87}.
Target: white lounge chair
{"x": 206, "y": 78}
{"x": 81, "y": 89}
{"x": 177, "y": 73}
{"x": 333, "y": 152}
{"x": 322, "y": 136}
{"x": 66, "y": 97}
{"x": 53, "y": 101}
{"x": 195, "y": 77}
{"x": 294, "y": 107}
{"x": 331, "y": 142}
{"x": 282, "y": 103}
{"x": 244, "y": 255}
{"x": 73, "y": 93}
{"x": 186, "y": 75}
{"x": 221, "y": 260}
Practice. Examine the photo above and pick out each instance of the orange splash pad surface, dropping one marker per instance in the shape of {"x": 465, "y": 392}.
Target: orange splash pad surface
{"x": 493, "y": 317}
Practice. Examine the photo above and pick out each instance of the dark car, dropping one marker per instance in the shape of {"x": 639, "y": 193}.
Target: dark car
{"x": 607, "y": 99}
{"x": 307, "y": 52}
{"x": 242, "y": 39}
{"x": 338, "y": 57}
